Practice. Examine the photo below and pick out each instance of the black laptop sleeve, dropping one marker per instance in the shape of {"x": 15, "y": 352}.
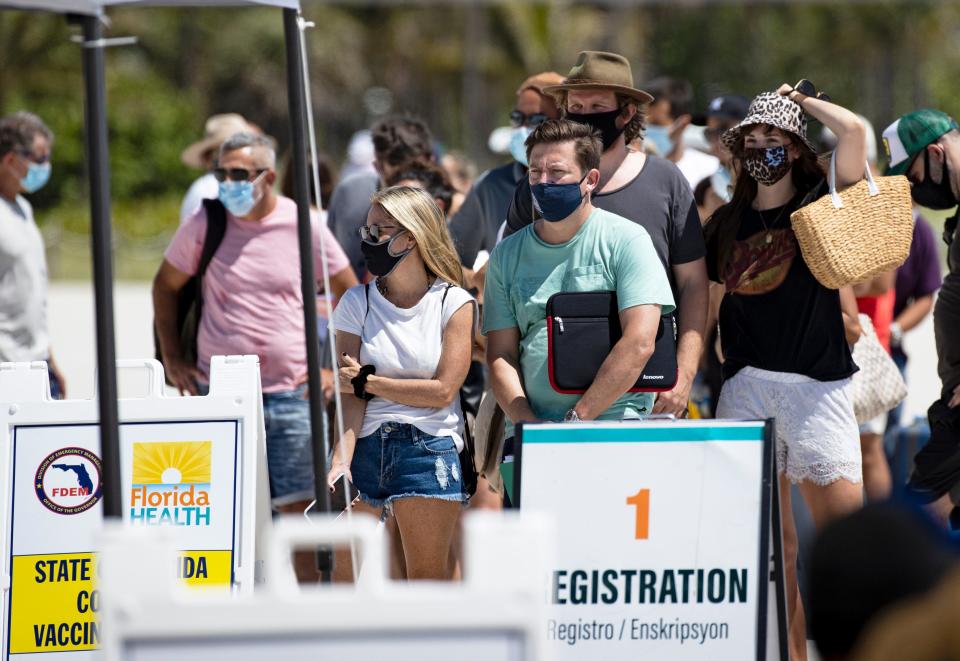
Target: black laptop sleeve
{"x": 582, "y": 328}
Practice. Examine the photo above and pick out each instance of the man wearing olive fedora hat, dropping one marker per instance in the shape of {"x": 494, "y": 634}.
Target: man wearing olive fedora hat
{"x": 651, "y": 191}
{"x": 201, "y": 154}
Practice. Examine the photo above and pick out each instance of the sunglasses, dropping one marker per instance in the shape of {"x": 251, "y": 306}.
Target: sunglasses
{"x": 518, "y": 119}
{"x": 29, "y": 156}
{"x": 236, "y": 174}
{"x": 374, "y": 233}
{"x": 807, "y": 88}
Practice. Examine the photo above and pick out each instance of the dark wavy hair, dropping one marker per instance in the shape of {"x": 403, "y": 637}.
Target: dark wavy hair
{"x": 431, "y": 177}
{"x": 807, "y": 172}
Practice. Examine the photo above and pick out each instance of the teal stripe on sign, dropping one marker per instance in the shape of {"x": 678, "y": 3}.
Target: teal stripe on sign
{"x": 638, "y": 435}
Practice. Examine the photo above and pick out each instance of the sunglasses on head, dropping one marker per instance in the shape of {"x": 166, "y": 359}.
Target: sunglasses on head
{"x": 807, "y": 88}
{"x": 237, "y": 174}
{"x": 518, "y": 119}
{"x": 374, "y": 233}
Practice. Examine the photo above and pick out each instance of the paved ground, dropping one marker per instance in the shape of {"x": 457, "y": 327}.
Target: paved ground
{"x": 72, "y": 330}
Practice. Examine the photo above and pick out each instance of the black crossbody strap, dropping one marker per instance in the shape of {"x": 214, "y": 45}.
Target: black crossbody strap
{"x": 216, "y": 229}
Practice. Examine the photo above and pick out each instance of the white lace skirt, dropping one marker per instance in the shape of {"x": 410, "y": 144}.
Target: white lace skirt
{"x": 817, "y": 436}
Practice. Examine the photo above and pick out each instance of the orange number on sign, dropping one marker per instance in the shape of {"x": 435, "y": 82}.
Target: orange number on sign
{"x": 641, "y": 500}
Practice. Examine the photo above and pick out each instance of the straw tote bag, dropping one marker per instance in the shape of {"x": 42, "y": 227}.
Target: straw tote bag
{"x": 878, "y": 386}
{"x": 858, "y": 233}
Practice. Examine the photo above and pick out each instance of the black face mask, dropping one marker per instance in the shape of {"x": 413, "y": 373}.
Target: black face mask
{"x": 932, "y": 195}
{"x": 605, "y": 122}
{"x": 380, "y": 260}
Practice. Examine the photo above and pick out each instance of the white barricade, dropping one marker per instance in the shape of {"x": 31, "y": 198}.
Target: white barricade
{"x": 664, "y": 533}
{"x": 195, "y": 466}
{"x": 494, "y": 615}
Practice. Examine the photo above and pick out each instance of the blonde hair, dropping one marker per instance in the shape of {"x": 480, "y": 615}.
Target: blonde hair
{"x": 417, "y": 213}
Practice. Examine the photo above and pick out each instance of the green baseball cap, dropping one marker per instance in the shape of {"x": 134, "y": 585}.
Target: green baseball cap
{"x": 909, "y": 135}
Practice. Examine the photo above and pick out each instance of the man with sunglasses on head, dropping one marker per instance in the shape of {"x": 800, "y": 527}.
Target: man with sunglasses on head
{"x": 476, "y": 225}
{"x": 648, "y": 190}
{"x": 25, "y": 144}
{"x": 252, "y": 304}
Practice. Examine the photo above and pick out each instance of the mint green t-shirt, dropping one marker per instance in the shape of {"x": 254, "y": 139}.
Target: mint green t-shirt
{"x": 608, "y": 253}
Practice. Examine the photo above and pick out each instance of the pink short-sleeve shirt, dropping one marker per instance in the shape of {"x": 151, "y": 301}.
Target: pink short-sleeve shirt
{"x": 251, "y": 290}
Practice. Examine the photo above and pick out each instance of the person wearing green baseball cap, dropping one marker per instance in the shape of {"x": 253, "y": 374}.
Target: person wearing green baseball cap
{"x": 934, "y": 135}
{"x": 925, "y": 146}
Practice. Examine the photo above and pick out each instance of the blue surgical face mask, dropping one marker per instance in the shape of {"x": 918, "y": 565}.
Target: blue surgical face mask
{"x": 518, "y": 147}
{"x": 38, "y": 174}
{"x": 659, "y": 136}
{"x": 239, "y": 197}
{"x": 557, "y": 201}
{"x": 720, "y": 182}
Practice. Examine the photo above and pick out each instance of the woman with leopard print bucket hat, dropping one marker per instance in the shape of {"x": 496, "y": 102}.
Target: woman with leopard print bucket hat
{"x": 786, "y": 352}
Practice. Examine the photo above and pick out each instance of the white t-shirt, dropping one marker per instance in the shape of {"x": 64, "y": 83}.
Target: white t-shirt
{"x": 23, "y": 284}
{"x": 404, "y": 343}
{"x": 697, "y": 166}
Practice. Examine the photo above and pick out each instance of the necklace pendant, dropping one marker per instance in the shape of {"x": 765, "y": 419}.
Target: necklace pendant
{"x": 769, "y": 238}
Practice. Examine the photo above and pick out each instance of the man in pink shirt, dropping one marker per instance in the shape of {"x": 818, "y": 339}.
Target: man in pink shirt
{"x": 252, "y": 304}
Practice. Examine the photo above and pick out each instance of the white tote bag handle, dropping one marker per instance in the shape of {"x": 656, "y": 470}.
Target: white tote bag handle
{"x": 837, "y": 202}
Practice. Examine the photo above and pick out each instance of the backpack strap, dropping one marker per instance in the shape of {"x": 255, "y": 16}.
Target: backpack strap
{"x": 216, "y": 229}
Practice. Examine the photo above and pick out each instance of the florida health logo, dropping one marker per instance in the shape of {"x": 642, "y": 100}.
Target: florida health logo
{"x": 68, "y": 481}
{"x": 171, "y": 484}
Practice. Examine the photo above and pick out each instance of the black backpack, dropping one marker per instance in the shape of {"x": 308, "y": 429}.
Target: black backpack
{"x": 190, "y": 297}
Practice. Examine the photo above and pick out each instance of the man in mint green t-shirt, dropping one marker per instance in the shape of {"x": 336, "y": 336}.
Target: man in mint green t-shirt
{"x": 575, "y": 247}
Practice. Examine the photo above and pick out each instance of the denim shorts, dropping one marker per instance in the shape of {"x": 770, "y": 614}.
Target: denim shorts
{"x": 400, "y": 461}
{"x": 286, "y": 416}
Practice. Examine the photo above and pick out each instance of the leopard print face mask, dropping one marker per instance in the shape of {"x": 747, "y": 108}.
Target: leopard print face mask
{"x": 767, "y": 165}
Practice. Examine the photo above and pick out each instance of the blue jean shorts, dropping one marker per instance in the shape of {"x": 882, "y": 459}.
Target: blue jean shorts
{"x": 400, "y": 461}
{"x": 286, "y": 416}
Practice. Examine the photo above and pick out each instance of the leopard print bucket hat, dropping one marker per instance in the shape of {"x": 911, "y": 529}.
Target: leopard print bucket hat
{"x": 774, "y": 110}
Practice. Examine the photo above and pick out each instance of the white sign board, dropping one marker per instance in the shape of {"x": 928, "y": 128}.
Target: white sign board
{"x": 493, "y": 615}
{"x": 188, "y": 465}
{"x": 663, "y": 536}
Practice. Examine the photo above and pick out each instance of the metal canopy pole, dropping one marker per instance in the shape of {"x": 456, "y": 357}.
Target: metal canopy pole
{"x": 308, "y": 281}
{"x": 102, "y": 248}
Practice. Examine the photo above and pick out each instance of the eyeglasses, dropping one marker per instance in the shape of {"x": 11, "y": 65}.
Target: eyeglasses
{"x": 29, "y": 156}
{"x": 807, "y": 88}
{"x": 374, "y": 233}
{"x": 237, "y": 174}
{"x": 518, "y": 119}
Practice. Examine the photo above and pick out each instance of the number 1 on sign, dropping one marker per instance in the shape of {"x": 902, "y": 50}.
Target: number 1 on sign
{"x": 641, "y": 500}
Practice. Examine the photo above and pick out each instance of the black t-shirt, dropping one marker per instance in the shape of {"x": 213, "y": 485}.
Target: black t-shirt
{"x": 775, "y": 315}
{"x": 658, "y": 199}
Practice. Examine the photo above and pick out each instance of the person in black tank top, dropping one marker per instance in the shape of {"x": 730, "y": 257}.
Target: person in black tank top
{"x": 786, "y": 351}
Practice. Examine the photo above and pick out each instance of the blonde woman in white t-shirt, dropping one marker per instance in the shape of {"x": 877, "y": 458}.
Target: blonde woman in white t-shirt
{"x": 405, "y": 344}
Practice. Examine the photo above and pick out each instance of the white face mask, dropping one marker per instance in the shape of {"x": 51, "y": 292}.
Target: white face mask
{"x": 659, "y": 136}
{"x": 721, "y": 182}
{"x": 518, "y": 147}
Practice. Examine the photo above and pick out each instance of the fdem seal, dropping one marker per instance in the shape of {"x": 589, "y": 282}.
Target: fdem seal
{"x": 69, "y": 481}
